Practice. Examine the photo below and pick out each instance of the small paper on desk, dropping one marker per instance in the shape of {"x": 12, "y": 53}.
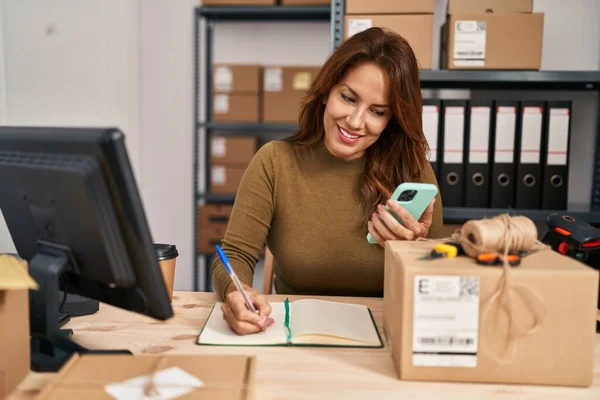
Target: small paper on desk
{"x": 169, "y": 384}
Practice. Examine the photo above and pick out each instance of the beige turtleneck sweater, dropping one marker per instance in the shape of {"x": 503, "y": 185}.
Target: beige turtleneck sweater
{"x": 305, "y": 205}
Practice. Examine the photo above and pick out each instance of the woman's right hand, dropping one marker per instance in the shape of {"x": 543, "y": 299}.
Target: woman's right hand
{"x": 239, "y": 318}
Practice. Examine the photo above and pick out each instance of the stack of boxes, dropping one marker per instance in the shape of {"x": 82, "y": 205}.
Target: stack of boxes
{"x": 493, "y": 34}
{"x": 212, "y": 223}
{"x": 229, "y": 157}
{"x": 236, "y": 91}
{"x": 283, "y": 90}
{"x": 409, "y": 18}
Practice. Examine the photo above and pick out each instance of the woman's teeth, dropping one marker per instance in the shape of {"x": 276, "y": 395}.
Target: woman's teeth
{"x": 349, "y": 136}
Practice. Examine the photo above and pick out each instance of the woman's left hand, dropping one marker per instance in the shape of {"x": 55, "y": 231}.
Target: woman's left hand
{"x": 383, "y": 226}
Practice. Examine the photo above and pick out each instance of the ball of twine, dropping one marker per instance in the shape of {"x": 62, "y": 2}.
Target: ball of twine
{"x": 501, "y": 234}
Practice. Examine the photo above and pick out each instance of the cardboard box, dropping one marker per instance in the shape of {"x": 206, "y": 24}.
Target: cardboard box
{"x": 15, "y": 353}
{"x": 232, "y": 149}
{"x": 417, "y": 29}
{"x": 447, "y": 320}
{"x": 86, "y": 376}
{"x": 225, "y": 179}
{"x": 304, "y": 2}
{"x": 489, "y": 6}
{"x": 209, "y": 238}
{"x": 238, "y": 2}
{"x": 390, "y": 7}
{"x": 494, "y": 41}
{"x": 236, "y": 107}
{"x": 214, "y": 216}
{"x": 238, "y": 79}
{"x": 284, "y": 88}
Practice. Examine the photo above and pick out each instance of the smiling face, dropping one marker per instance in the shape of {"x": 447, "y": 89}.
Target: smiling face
{"x": 357, "y": 111}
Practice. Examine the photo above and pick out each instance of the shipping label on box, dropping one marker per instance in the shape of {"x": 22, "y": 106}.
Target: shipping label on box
{"x": 469, "y": 43}
{"x": 445, "y": 321}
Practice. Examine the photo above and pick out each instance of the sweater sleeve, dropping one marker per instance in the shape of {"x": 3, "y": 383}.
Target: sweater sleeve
{"x": 249, "y": 222}
{"x": 437, "y": 225}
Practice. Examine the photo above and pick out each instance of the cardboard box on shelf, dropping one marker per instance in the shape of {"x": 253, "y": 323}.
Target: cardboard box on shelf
{"x": 225, "y": 179}
{"x": 238, "y": 2}
{"x": 15, "y": 353}
{"x": 390, "y": 7}
{"x": 417, "y": 29}
{"x": 284, "y": 88}
{"x": 214, "y": 216}
{"x": 494, "y": 41}
{"x": 232, "y": 149}
{"x": 236, "y": 78}
{"x": 236, "y": 107}
{"x": 209, "y": 237}
{"x": 304, "y": 2}
{"x": 489, "y": 6}
{"x": 448, "y": 319}
{"x": 190, "y": 376}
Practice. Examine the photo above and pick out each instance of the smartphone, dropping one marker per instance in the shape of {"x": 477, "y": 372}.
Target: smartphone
{"x": 414, "y": 197}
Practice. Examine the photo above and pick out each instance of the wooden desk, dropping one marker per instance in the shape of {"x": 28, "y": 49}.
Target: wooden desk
{"x": 288, "y": 373}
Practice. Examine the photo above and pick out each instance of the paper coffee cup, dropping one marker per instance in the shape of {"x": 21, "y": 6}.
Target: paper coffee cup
{"x": 167, "y": 255}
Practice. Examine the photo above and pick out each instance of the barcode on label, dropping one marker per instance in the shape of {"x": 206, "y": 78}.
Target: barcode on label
{"x": 469, "y": 53}
{"x": 469, "y": 286}
{"x": 446, "y": 341}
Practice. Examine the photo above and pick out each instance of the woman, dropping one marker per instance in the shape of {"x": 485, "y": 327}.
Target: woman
{"x": 314, "y": 197}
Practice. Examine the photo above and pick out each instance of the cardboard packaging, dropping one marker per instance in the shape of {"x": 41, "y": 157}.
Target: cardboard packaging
{"x": 284, "y": 88}
{"x": 390, "y": 7}
{"x": 232, "y": 150}
{"x": 305, "y": 2}
{"x": 417, "y": 29}
{"x": 238, "y": 2}
{"x": 236, "y": 107}
{"x": 489, "y": 6}
{"x": 87, "y": 376}
{"x": 212, "y": 224}
{"x": 225, "y": 179}
{"x": 448, "y": 320}
{"x": 233, "y": 78}
{"x": 494, "y": 41}
{"x": 15, "y": 353}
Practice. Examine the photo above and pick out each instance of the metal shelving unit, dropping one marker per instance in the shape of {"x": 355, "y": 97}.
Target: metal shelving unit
{"x": 212, "y": 15}
{"x": 430, "y": 79}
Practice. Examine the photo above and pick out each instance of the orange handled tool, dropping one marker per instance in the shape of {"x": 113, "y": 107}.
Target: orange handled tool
{"x": 497, "y": 259}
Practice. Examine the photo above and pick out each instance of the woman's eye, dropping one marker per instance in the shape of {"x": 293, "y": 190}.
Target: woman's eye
{"x": 378, "y": 113}
{"x": 346, "y": 98}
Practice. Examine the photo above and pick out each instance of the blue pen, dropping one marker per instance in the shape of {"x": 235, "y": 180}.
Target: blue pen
{"x": 235, "y": 279}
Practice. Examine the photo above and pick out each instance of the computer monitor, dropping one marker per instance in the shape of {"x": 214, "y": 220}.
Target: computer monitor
{"x": 72, "y": 208}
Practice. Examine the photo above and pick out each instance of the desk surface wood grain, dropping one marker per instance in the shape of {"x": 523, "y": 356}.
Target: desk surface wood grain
{"x": 287, "y": 373}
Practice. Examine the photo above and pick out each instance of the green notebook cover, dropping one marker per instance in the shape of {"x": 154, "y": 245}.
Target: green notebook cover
{"x": 318, "y": 323}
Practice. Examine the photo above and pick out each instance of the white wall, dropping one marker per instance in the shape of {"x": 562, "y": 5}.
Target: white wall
{"x": 167, "y": 98}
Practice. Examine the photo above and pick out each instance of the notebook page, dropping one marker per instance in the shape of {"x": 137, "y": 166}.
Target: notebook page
{"x": 216, "y": 330}
{"x": 331, "y": 320}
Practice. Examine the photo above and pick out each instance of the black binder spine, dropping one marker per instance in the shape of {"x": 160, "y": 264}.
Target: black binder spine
{"x": 477, "y": 149}
{"x": 529, "y": 152}
{"x": 503, "y": 167}
{"x": 432, "y": 109}
{"x": 452, "y": 160}
{"x": 556, "y": 155}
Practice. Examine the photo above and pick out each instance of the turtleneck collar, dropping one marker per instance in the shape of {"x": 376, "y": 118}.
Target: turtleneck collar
{"x": 323, "y": 156}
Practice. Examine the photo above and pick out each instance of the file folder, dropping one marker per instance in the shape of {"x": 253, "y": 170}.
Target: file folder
{"x": 529, "y": 165}
{"x": 477, "y": 174}
{"x": 556, "y": 161}
{"x": 452, "y": 163}
{"x": 503, "y": 168}
{"x": 431, "y": 123}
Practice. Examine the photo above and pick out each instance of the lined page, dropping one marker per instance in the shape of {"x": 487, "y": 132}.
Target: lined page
{"x": 216, "y": 330}
{"x": 349, "y": 323}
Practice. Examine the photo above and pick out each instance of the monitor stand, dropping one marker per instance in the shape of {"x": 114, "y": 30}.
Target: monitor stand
{"x": 51, "y": 346}
{"x": 77, "y": 306}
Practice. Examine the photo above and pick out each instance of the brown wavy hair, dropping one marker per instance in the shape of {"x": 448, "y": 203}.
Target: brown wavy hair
{"x": 400, "y": 153}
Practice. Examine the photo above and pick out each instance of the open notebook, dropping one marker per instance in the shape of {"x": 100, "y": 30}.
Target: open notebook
{"x": 302, "y": 322}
